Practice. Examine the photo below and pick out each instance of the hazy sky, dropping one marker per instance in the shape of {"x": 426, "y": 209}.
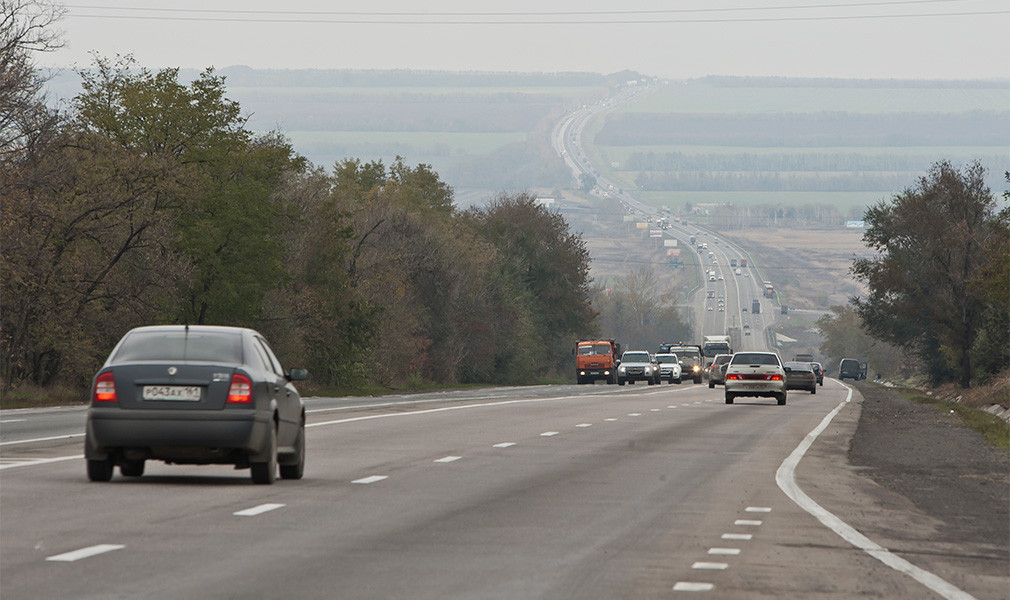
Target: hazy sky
{"x": 665, "y": 38}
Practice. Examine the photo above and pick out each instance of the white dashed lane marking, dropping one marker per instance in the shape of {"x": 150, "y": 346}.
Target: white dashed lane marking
{"x": 584, "y": 425}
{"x": 747, "y": 522}
{"x": 448, "y": 459}
{"x": 85, "y": 553}
{"x": 724, "y": 551}
{"x": 549, "y": 433}
{"x": 688, "y": 586}
{"x": 257, "y": 510}
{"x": 710, "y": 566}
{"x": 758, "y": 509}
{"x": 504, "y": 445}
{"x": 372, "y": 479}
{"x": 737, "y": 536}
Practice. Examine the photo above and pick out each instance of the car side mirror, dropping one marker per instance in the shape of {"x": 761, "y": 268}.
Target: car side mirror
{"x": 298, "y": 374}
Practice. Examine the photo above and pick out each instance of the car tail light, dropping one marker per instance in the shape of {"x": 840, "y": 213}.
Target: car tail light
{"x": 733, "y": 376}
{"x": 105, "y": 388}
{"x": 240, "y": 391}
{"x": 775, "y": 377}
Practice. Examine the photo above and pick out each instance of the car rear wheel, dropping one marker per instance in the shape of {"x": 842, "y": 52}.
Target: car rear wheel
{"x": 729, "y": 398}
{"x": 266, "y": 472}
{"x": 100, "y": 470}
{"x": 711, "y": 384}
{"x": 782, "y": 399}
{"x": 297, "y": 469}
{"x": 813, "y": 390}
{"x": 132, "y": 468}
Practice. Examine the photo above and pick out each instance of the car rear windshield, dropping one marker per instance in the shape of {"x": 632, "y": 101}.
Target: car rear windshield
{"x": 799, "y": 366}
{"x": 748, "y": 358}
{"x": 215, "y": 346}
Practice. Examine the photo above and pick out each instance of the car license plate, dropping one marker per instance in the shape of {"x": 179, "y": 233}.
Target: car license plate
{"x": 183, "y": 393}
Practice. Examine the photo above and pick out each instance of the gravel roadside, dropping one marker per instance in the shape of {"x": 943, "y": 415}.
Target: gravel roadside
{"x": 947, "y": 470}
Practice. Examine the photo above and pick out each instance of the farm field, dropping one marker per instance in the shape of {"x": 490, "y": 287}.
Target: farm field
{"x": 770, "y": 95}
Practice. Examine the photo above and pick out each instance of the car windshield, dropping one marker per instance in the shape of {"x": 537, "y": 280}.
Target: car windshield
{"x": 594, "y": 349}
{"x": 755, "y": 358}
{"x": 667, "y": 358}
{"x": 217, "y": 346}
{"x": 688, "y": 354}
{"x": 636, "y": 357}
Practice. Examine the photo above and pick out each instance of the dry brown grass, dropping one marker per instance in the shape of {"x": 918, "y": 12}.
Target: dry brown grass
{"x": 996, "y": 392}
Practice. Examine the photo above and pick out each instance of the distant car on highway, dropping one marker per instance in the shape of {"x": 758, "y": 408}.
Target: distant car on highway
{"x": 637, "y": 365}
{"x": 669, "y": 368}
{"x": 800, "y": 376}
{"x": 755, "y": 374}
{"x": 195, "y": 395}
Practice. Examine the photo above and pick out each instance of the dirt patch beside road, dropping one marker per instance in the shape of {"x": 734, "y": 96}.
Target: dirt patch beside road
{"x": 918, "y": 483}
{"x": 947, "y": 470}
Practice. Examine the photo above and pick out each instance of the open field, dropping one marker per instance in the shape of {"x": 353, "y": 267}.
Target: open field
{"x": 761, "y": 96}
{"x": 811, "y": 266}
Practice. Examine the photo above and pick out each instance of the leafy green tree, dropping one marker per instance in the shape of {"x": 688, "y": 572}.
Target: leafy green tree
{"x": 845, "y": 337}
{"x": 228, "y": 228}
{"x": 927, "y": 293}
{"x": 548, "y": 262}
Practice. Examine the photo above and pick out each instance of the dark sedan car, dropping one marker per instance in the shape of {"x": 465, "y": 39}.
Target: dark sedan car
{"x": 800, "y": 376}
{"x": 819, "y": 372}
{"x": 195, "y": 395}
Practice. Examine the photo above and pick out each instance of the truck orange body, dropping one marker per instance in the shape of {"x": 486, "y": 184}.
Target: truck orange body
{"x": 596, "y": 359}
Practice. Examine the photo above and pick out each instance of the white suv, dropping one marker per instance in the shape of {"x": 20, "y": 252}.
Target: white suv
{"x": 755, "y": 374}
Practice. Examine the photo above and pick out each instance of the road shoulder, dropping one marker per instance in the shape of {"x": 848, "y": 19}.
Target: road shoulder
{"x": 919, "y": 484}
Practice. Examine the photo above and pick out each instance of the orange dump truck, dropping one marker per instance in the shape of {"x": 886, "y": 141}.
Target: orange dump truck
{"x": 596, "y": 359}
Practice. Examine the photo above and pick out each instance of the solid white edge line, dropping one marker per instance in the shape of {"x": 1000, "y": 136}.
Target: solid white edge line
{"x": 785, "y": 478}
{"x": 85, "y": 553}
{"x": 257, "y": 510}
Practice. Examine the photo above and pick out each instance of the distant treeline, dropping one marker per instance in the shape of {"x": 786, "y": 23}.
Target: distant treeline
{"x": 813, "y": 161}
{"x": 471, "y": 113}
{"x": 247, "y": 76}
{"x": 719, "y": 181}
{"x": 977, "y": 128}
{"x": 823, "y": 82}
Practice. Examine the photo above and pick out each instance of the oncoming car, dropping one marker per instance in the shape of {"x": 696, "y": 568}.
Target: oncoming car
{"x": 669, "y": 367}
{"x": 755, "y": 374}
{"x": 195, "y": 395}
{"x": 637, "y": 365}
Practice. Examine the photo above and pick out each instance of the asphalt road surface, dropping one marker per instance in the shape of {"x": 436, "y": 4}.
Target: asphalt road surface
{"x": 542, "y": 492}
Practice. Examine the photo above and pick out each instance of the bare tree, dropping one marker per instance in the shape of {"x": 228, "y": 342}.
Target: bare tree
{"x": 26, "y": 27}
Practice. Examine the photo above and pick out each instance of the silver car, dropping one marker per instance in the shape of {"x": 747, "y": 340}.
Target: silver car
{"x": 195, "y": 395}
{"x": 755, "y": 374}
{"x": 637, "y": 365}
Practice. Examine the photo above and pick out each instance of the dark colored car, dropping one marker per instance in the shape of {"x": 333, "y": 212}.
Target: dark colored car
{"x": 849, "y": 367}
{"x": 818, "y": 372}
{"x": 800, "y": 376}
{"x": 195, "y": 395}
